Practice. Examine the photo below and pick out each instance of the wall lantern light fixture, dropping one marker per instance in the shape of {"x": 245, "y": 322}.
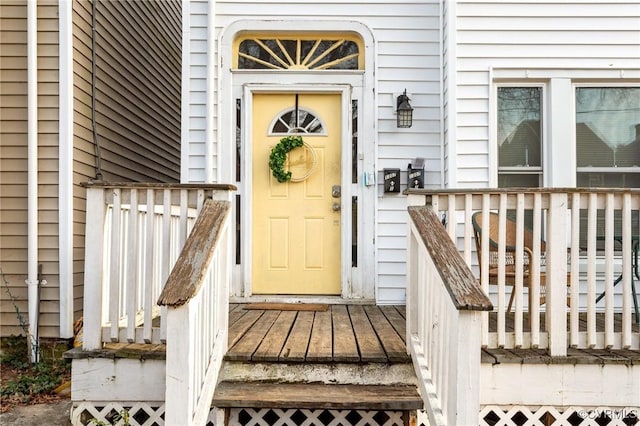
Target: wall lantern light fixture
{"x": 404, "y": 111}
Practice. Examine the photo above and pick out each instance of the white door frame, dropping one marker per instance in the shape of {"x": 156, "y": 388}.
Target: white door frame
{"x": 358, "y": 283}
{"x": 345, "y": 159}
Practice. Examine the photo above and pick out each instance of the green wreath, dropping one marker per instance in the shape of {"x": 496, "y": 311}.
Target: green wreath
{"x": 278, "y": 157}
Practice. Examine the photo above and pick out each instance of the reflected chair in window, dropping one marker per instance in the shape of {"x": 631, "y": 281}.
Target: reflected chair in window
{"x": 510, "y": 255}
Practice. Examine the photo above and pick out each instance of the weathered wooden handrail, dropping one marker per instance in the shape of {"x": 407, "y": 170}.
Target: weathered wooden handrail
{"x": 196, "y": 296}
{"x": 444, "y": 302}
{"x": 186, "y": 278}
{"x": 458, "y": 279}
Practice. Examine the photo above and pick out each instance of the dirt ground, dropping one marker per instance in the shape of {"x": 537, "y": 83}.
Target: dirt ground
{"x": 54, "y": 413}
{"x": 44, "y": 409}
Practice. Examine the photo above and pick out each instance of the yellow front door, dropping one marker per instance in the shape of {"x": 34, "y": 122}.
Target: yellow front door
{"x": 296, "y": 225}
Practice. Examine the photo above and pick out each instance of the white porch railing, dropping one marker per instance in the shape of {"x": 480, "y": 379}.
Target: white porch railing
{"x": 197, "y": 300}
{"x": 591, "y": 235}
{"x": 444, "y": 301}
{"x": 134, "y": 234}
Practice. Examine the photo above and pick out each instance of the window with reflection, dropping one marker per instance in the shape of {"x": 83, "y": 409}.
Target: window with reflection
{"x": 519, "y": 129}
{"x": 608, "y": 136}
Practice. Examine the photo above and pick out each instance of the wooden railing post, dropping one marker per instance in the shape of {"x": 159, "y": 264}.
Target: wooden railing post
{"x": 178, "y": 392}
{"x": 465, "y": 377}
{"x": 556, "y": 264}
{"x": 93, "y": 269}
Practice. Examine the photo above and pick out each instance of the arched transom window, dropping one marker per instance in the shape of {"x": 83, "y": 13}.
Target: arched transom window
{"x": 303, "y": 122}
{"x": 304, "y": 52}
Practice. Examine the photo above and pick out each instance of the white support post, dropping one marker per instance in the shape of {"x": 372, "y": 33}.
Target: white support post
{"x": 556, "y": 317}
{"x": 93, "y": 270}
{"x": 464, "y": 404}
{"x": 179, "y": 395}
{"x": 412, "y": 277}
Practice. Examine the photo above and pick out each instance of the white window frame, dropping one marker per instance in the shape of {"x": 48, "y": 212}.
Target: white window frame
{"x": 587, "y": 169}
{"x": 493, "y": 149}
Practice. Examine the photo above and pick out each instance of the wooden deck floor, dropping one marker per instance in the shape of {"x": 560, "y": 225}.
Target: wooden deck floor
{"x": 328, "y": 333}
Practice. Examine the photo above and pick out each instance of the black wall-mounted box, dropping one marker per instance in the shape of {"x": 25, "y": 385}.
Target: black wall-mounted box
{"x": 415, "y": 174}
{"x": 391, "y": 180}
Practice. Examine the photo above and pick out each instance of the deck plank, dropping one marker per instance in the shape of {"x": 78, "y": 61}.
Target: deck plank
{"x": 271, "y": 346}
{"x": 244, "y": 349}
{"x": 235, "y": 313}
{"x": 295, "y": 348}
{"x": 345, "y": 348}
{"x": 239, "y": 327}
{"x": 366, "y": 338}
{"x": 394, "y": 346}
{"x": 320, "y": 341}
{"x": 397, "y": 321}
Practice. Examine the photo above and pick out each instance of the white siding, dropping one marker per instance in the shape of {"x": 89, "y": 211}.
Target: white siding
{"x": 406, "y": 37}
{"x": 528, "y": 34}
{"x": 195, "y": 95}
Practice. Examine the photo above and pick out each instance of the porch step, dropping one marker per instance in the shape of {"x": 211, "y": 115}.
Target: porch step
{"x": 316, "y": 396}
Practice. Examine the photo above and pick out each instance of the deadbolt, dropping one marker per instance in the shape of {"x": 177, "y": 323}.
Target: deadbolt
{"x": 336, "y": 191}
{"x": 336, "y": 207}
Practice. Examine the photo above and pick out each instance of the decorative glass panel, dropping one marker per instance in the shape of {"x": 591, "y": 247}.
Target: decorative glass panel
{"x": 354, "y": 231}
{"x": 303, "y": 122}
{"x": 354, "y": 141}
{"x": 238, "y": 140}
{"x": 299, "y": 53}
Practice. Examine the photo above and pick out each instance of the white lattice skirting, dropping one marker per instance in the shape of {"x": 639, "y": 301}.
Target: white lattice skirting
{"x": 150, "y": 414}
{"x": 303, "y": 417}
{"x": 571, "y": 416}
{"x": 118, "y": 413}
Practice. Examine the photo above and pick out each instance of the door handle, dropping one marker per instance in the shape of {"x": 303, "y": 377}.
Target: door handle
{"x": 336, "y": 207}
{"x": 336, "y": 191}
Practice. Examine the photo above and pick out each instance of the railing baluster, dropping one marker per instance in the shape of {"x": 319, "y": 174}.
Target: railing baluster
{"x": 149, "y": 269}
{"x": 626, "y": 269}
{"x": 184, "y": 207}
{"x": 502, "y": 234}
{"x": 132, "y": 266}
{"x": 166, "y": 252}
{"x": 591, "y": 269}
{"x": 484, "y": 267}
{"x": 534, "y": 272}
{"x": 468, "y": 228}
{"x": 608, "y": 271}
{"x": 452, "y": 219}
{"x": 114, "y": 274}
{"x": 574, "y": 325}
{"x": 519, "y": 270}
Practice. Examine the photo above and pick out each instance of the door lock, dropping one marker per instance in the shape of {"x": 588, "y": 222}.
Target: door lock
{"x": 336, "y": 207}
{"x": 336, "y": 191}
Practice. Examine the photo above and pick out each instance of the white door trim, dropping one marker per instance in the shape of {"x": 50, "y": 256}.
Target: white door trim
{"x": 359, "y": 283}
